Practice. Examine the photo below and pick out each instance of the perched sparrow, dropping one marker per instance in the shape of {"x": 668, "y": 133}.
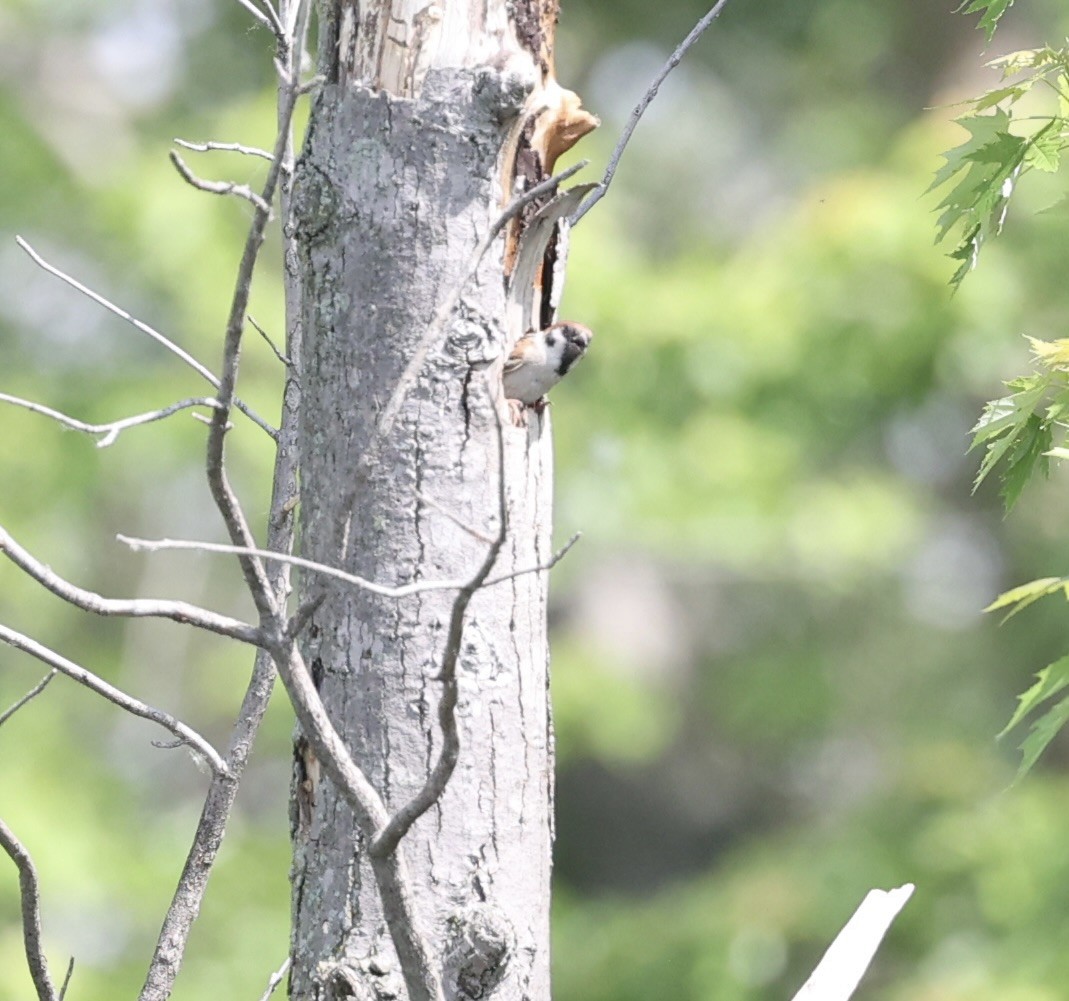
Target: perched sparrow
{"x": 541, "y": 358}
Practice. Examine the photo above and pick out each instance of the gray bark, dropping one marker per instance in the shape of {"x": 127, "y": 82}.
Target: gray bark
{"x": 398, "y": 183}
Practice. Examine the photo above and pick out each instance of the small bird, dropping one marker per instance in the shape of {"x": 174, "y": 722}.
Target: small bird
{"x": 541, "y": 358}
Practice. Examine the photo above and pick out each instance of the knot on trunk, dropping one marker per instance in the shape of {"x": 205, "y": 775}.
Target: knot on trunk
{"x": 479, "y": 945}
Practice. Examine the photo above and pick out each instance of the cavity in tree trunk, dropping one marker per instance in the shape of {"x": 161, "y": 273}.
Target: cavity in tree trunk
{"x": 431, "y": 119}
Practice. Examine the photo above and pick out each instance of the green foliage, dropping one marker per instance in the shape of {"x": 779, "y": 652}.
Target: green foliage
{"x": 1015, "y": 434}
{"x": 1028, "y": 129}
{"x": 1002, "y": 147}
{"x": 1051, "y": 680}
{"x": 993, "y": 10}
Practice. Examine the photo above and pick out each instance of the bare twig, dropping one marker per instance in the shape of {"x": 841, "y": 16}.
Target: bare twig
{"x": 385, "y": 590}
{"x": 110, "y": 431}
{"x": 67, "y": 979}
{"x": 211, "y": 828}
{"x": 152, "y": 332}
{"x": 281, "y": 31}
{"x": 269, "y": 20}
{"x": 28, "y": 697}
{"x": 445, "y": 310}
{"x": 30, "y": 895}
{"x": 270, "y": 343}
{"x": 209, "y": 147}
{"x": 276, "y": 978}
{"x": 640, "y": 109}
{"x": 387, "y": 840}
{"x": 311, "y": 83}
{"x": 114, "y": 695}
{"x": 137, "y": 608}
{"x": 217, "y": 187}
{"x": 290, "y": 48}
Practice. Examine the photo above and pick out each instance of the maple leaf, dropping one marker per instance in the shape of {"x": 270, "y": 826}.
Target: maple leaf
{"x": 993, "y": 10}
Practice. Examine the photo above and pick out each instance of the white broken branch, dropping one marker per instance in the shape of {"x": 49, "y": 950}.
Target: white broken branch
{"x": 848, "y": 957}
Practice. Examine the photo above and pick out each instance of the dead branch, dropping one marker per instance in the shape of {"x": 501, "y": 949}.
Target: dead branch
{"x": 445, "y": 310}
{"x": 66, "y": 979}
{"x": 112, "y": 429}
{"x": 270, "y": 343}
{"x": 269, "y": 20}
{"x": 217, "y": 187}
{"x": 137, "y": 608}
{"x": 30, "y": 895}
{"x": 384, "y": 590}
{"x": 211, "y": 828}
{"x": 640, "y": 109}
{"x": 166, "y": 342}
{"x": 208, "y": 838}
{"x": 28, "y": 697}
{"x": 276, "y": 978}
{"x": 136, "y": 707}
{"x": 848, "y": 957}
{"x": 215, "y": 464}
{"x": 209, "y": 147}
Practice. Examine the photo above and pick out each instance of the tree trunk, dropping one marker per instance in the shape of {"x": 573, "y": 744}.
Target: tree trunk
{"x": 431, "y": 118}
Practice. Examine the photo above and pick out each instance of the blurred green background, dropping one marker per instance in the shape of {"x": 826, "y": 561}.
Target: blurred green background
{"x": 774, "y": 686}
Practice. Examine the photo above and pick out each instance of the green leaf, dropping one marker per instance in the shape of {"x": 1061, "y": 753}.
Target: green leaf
{"x": 1058, "y": 452}
{"x": 1045, "y": 150}
{"x": 1022, "y": 460}
{"x": 994, "y": 97}
{"x": 984, "y": 169}
{"x": 982, "y": 129}
{"x": 966, "y": 253}
{"x": 1051, "y": 680}
{"x": 998, "y": 415}
{"x": 1044, "y": 730}
{"x": 1005, "y": 421}
{"x": 1026, "y": 594}
{"x": 993, "y": 10}
{"x": 1022, "y": 60}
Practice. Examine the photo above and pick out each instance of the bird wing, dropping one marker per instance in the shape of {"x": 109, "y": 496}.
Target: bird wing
{"x": 517, "y": 355}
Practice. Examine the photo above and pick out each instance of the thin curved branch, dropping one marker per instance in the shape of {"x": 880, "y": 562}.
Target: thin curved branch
{"x": 131, "y": 608}
{"x": 270, "y": 343}
{"x": 28, "y": 697}
{"x": 152, "y": 332}
{"x": 217, "y": 187}
{"x": 210, "y": 147}
{"x": 189, "y": 893}
{"x": 30, "y": 895}
{"x": 445, "y": 310}
{"x": 384, "y": 590}
{"x": 237, "y": 526}
{"x": 66, "y": 979}
{"x": 276, "y": 978}
{"x": 269, "y": 20}
{"x": 136, "y": 707}
{"x": 640, "y": 109}
{"x": 112, "y": 429}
